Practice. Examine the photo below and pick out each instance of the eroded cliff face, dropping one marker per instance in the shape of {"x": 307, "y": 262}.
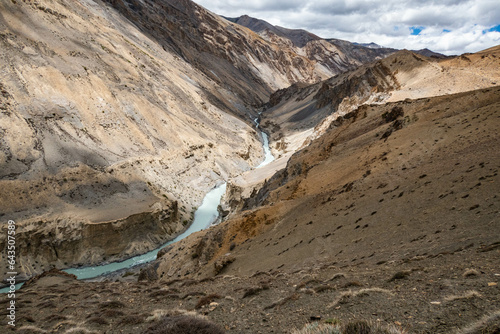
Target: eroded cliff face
{"x": 73, "y": 241}
{"x": 99, "y": 123}
{"x": 233, "y": 55}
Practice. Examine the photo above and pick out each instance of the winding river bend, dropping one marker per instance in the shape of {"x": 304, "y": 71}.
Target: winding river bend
{"x": 204, "y": 216}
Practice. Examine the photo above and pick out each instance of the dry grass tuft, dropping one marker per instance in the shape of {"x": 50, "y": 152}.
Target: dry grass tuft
{"x": 489, "y": 324}
{"x": 283, "y": 301}
{"x": 355, "y": 327}
{"x": 79, "y": 330}
{"x": 253, "y": 291}
{"x": 467, "y": 295}
{"x": 158, "y": 314}
{"x": 30, "y": 329}
{"x": 470, "y": 273}
{"x": 345, "y": 296}
{"x": 337, "y": 276}
{"x": 316, "y": 328}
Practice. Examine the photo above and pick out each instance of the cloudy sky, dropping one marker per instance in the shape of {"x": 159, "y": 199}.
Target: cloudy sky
{"x": 445, "y": 26}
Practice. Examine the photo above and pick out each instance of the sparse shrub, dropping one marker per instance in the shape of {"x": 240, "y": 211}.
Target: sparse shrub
{"x": 112, "y": 304}
{"x": 254, "y": 291}
{"x": 183, "y": 324}
{"x": 206, "y": 300}
{"x": 357, "y": 327}
{"x": 193, "y": 293}
{"x": 163, "y": 293}
{"x": 55, "y": 317}
{"x": 399, "y": 275}
{"x": 132, "y": 320}
{"x": 112, "y": 313}
{"x": 47, "y": 304}
{"x": 352, "y": 284}
{"x": 97, "y": 320}
{"x": 322, "y": 288}
{"x": 471, "y": 273}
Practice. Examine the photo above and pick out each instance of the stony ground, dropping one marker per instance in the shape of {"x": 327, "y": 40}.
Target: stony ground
{"x": 437, "y": 294}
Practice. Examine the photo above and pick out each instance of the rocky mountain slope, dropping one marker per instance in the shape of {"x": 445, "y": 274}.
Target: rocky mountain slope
{"x": 117, "y": 116}
{"x": 400, "y": 197}
{"x": 99, "y": 126}
{"x": 390, "y": 217}
{"x": 122, "y": 108}
{"x": 306, "y": 111}
{"x": 227, "y": 53}
{"x": 335, "y": 54}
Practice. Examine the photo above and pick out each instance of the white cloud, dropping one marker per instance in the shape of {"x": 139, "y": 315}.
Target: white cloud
{"x": 385, "y": 22}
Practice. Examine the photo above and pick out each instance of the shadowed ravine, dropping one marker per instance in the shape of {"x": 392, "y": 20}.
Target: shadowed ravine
{"x": 204, "y": 216}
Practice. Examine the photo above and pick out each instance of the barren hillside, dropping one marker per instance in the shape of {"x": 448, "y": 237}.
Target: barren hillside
{"x": 296, "y": 111}
{"x": 121, "y": 109}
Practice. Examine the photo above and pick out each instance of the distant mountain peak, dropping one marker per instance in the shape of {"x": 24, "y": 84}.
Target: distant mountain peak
{"x": 299, "y": 37}
{"x": 369, "y": 45}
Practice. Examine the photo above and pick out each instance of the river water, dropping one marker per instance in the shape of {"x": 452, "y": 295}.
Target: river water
{"x": 268, "y": 156}
{"x": 204, "y": 216}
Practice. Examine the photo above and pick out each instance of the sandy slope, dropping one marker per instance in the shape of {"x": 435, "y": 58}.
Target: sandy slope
{"x": 377, "y": 195}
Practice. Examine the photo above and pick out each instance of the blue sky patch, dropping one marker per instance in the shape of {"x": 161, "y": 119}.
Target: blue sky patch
{"x": 416, "y": 30}
{"x": 495, "y": 28}
{"x": 446, "y": 30}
